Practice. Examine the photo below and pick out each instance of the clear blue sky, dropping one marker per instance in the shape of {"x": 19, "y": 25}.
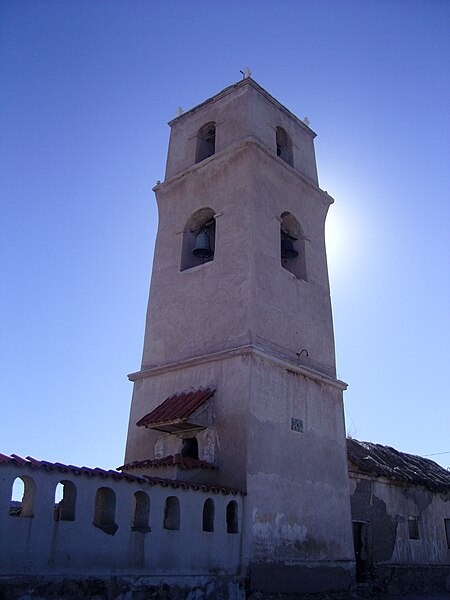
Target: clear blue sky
{"x": 86, "y": 91}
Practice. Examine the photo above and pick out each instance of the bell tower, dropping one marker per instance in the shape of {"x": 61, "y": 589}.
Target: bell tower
{"x": 238, "y": 381}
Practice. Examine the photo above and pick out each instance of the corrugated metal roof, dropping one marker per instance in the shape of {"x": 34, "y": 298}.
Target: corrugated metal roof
{"x": 384, "y": 461}
{"x": 184, "y": 462}
{"x": 176, "y": 408}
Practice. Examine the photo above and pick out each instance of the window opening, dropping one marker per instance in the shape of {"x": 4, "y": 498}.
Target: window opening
{"x": 232, "y": 517}
{"x": 292, "y": 246}
{"x": 284, "y": 146}
{"x": 65, "y": 500}
{"x": 189, "y": 448}
{"x": 105, "y": 510}
{"x": 22, "y": 497}
{"x": 141, "y": 512}
{"x": 447, "y": 531}
{"x": 199, "y": 239}
{"x": 413, "y": 527}
{"x": 172, "y": 513}
{"x": 208, "y": 515}
{"x": 206, "y": 142}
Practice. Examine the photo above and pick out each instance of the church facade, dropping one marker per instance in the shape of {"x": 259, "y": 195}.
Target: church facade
{"x": 237, "y": 473}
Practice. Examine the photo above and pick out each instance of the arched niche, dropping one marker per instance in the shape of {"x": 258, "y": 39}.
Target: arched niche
{"x": 172, "y": 513}
{"x": 141, "y": 512}
{"x": 292, "y": 246}
{"x": 199, "y": 232}
{"x": 105, "y": 510}
{"x": 208, "y": 515}
{"x": 206, "y": 142}
{"x": 232, "y": 517}
{"x": 284, "y": 146}
{"x": 65, "y": 507}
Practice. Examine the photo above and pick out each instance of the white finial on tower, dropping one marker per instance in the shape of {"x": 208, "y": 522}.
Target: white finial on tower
{"x": 179, "y": 111}
{"x": 306, "y": 121}
{"x": 246, "y": 73}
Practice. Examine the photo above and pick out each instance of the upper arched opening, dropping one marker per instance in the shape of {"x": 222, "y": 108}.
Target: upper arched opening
{"x": 292, "y": 246}
{"x": 284, "y": 146}
{"x": 206, "y": 142}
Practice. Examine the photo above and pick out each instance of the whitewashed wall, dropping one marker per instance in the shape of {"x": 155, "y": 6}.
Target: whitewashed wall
{"x": 41, "y": 545}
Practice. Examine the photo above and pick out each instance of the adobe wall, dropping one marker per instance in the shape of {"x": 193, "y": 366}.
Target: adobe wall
{"x": 391, "y": 558}
{"x": 38, "y": 545}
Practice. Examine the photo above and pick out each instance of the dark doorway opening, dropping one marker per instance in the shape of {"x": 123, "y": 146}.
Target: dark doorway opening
{"x": 360, "y": 541}
{"x": 189, "y": 448}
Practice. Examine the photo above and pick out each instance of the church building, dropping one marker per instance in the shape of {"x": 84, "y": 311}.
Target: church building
{"x": 237, "y": 476}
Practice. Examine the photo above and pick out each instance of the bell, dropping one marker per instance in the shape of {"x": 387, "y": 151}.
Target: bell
{"x": 202, "y": 247}
{"x": 287, "y": 248}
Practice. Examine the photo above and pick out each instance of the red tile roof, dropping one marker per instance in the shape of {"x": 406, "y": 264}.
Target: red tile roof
{"x": 177, "y": 407}
{"x": 33, "y": 463}
{"x": 170, "y": 461}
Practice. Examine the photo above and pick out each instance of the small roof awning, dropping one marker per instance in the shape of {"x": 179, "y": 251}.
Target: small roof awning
{"x": 180, "y": 412}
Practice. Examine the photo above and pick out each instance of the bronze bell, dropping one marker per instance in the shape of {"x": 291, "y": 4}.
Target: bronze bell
{"x": 287, "y": 248}
{"x": 202, "y": 247}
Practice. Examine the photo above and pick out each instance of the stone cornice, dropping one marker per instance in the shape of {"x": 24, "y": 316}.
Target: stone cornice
{"x": 249, "y": 349}
{"x": 238, "y": 147}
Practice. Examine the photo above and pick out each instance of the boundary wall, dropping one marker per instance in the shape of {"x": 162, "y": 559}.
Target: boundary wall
{"x": 112, "y": 524}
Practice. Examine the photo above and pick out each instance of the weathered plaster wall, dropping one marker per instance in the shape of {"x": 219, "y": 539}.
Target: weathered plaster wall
{"x": 297, "y": 509}
{"x": 385, "y": 506}
{"x": 240, "y": 111}
{"x": 41, "y": 545}
{"x": 231, "y": 377}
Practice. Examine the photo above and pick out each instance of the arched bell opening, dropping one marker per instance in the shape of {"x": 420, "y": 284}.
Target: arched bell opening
{"x": 292, "y": 246}
{"x": 206, "y": 142}
{"x": 199, "y": 239}
{"x": 284, "y": 146}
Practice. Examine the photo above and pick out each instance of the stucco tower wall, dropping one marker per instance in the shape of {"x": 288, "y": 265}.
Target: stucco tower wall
{"x": 206, "y": 308}
{"x": 231, "y": 376}
{"x": 298, "y": 521}
{"x": 258, "y": 329}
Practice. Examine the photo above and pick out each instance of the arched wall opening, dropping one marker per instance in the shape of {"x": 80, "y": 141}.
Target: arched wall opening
{"x": 208, "y": 515}
{"x": 65, "y": 507}
{"x": 23, "y": 492}
{"x": 292, "y": 246}
{"x": 284, "y": 146}
{"x": 172, "y": 513}
{"x": 141, "y": 512}
{"x": 206, "y": 142}
{"x": 199, "y": 239}
{"x": 105, "y": 510}
{"x": 232, "y": 517}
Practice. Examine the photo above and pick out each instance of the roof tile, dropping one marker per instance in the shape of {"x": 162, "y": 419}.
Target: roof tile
{"x": 169, "y": 461}
{"x": 44, "y": 465}
{"x": 177, "y": 407}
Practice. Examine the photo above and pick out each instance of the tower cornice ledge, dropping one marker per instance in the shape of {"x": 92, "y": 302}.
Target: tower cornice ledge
{"x": 240, "y": 84}
{"x": 234, "y": 149}
{"x": 241, "y": 351}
